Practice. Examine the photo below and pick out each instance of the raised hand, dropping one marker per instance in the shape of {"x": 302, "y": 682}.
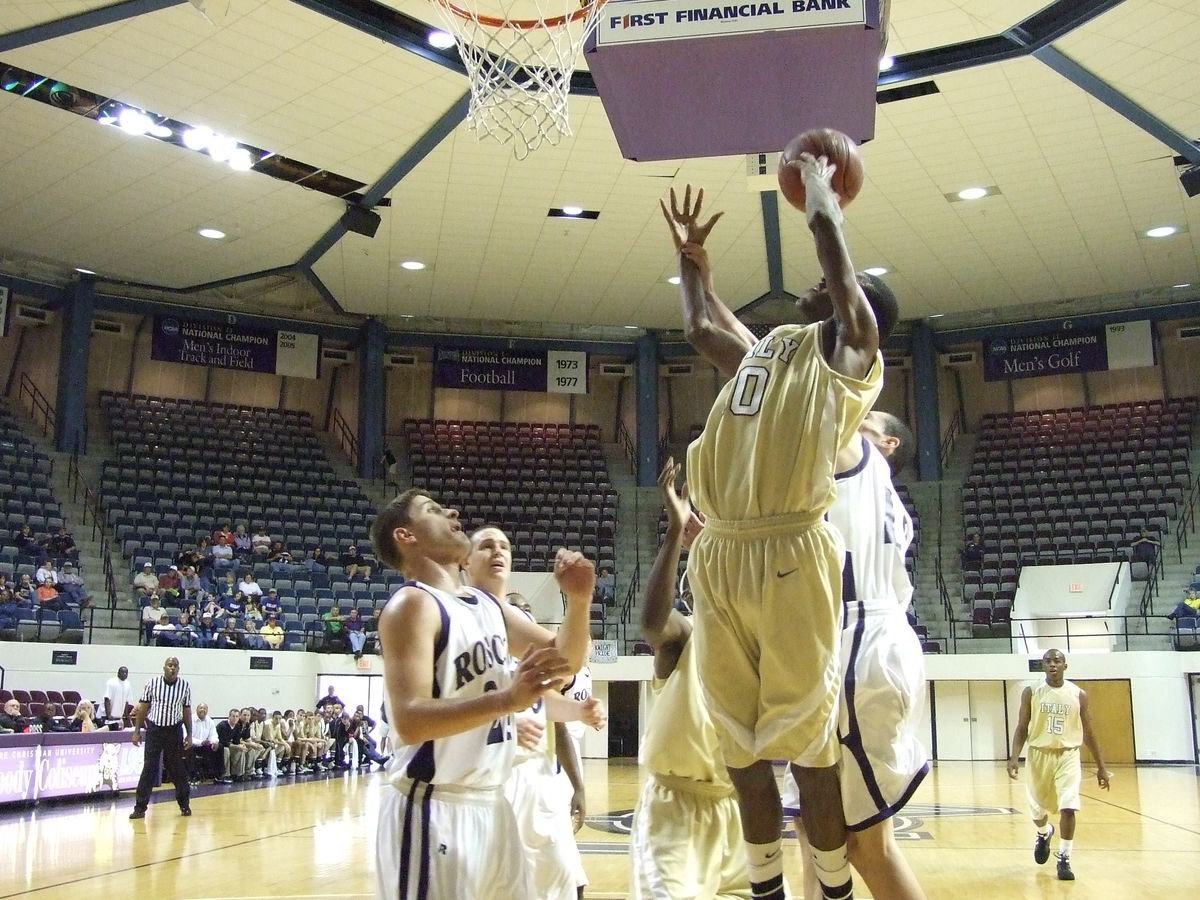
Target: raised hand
{"x": 540, "y": 672}
{"x": 679, "y": 509}
{"x": 594, "y": 713}
{"x": 684, "y": 222}
{"x": 575, "y": 574}
{"x": 819, "y": 195}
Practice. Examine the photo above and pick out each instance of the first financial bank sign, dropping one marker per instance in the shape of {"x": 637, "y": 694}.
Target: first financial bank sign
{"x": 645, "y": 21}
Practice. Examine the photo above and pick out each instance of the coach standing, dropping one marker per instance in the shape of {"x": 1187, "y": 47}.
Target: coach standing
{"x": 166, "y": 703}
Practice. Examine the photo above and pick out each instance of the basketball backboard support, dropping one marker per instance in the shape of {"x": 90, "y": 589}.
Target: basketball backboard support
{"x": 685, "y": 78}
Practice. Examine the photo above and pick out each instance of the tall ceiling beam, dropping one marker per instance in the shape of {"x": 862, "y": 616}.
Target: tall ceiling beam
{"x": 93, "y": 18}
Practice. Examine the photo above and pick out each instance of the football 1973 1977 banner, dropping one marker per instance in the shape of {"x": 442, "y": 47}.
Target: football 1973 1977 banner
{"x": 481, "y": 368}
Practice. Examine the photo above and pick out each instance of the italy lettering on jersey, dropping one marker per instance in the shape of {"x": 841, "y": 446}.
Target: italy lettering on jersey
{"x": 772, "y": 437}
{"x": 877, "y": 531}
{"x": 470, "y": 659}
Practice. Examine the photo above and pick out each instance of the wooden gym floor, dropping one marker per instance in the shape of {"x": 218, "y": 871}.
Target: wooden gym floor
{"x": 966, "y": 833}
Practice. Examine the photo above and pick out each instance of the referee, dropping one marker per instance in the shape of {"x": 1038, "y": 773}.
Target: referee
{"x": 166, "y": 703}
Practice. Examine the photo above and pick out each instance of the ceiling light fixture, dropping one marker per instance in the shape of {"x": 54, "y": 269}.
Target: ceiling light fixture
{"x": 440, "y": 40}
{"x": 972, "y": 193}
{"x": 213, "y": 234}
{"x": 197, "y": 138}
{"x": 572, "y": 210}
{"x": 935, "y": 315}
{"x": 134, "y": 121}
{"x": 632, "y": 326}
{"x": 1161, "y": 231}
{"x": 674, "y": 279}
{"x": 1183, "y": 284}
{"x": 222, "y": 148}
{"x": 886, "y": 62}
{"x": 84, "y": 271}
{"x": 241, "y": 161}
{"x": 412, "y": 265}
{"x": 877, "y": 270}
{"x": 161, "y": 131}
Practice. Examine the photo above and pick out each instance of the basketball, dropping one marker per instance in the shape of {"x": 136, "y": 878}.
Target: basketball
{"x": 834, "y": 146}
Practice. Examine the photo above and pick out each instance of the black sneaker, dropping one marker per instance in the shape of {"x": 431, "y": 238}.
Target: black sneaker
{"x": 137, "y": 814}
{"x": 185, "y": 811}
{"x": 1064, "y": 868}
{"x": 1041, "y": 848}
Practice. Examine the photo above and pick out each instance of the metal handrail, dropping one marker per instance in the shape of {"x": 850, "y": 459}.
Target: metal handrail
{"x": 38, "y": 404}
{"x": 952, "y": 432}
{"x": 345, "y": 435}
{"x": 1066, "y": 634}
{"x": 626, "y": 441}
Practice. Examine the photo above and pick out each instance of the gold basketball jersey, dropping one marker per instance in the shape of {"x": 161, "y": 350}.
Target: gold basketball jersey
{"x": 1054, "y": 720}
{"x": 680, "y": 737}
{"x": 773, "y": 434}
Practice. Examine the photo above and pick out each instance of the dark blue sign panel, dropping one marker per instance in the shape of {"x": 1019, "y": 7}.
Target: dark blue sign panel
{"x": 1054, "y": 353}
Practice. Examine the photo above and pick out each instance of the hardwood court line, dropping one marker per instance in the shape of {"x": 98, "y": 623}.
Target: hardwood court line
{"x": 157, "y": 862}
{"x": 1140, "y": 814}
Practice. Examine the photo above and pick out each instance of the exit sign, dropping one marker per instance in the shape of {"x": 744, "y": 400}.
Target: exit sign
{"x": 1075, "y": 587}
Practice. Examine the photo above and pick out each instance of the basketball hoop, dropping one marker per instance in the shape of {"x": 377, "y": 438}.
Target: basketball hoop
{"x": 520, "y": 68}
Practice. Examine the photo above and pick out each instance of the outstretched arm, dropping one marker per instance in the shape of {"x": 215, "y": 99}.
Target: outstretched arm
{"x": 576, "y": 578}
{"x": 857, "y": 339}
{"x": 709, "y": 325}
{"x": 663, "y": 627}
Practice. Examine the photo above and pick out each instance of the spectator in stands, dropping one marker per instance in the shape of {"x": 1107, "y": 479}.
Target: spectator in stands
{"x": 253, "y": 609}
{"x": 249, "y": 586}
{"x": 48, "y": 720}
{"x": 145, "y": 582}
{"x": 229, "y": 638}
{"x": 233, "y": 607}
{"x": 188, "y": 557}
{"x": 84, "y": 719}
{"x": 151, "y": 614}
{"x": 61, "y": 544}
{"x": 356, "y": 632}
{"x": 222, "y": 555}
{"x": 243, "y": 547}
{"x": 224, "y": 533}
{"x": 391, "y": 470}
{"x": 187, "y": 631}
{"x": 335, "y": 631}
{"x": 251, "y": 639}
{"x": 189, "y": 584}
{"x": 233, "y": 754}
{"x": 317, "y": 561}
{"x": 225, "y": 587}
{"x": 46, "y": 573}
{"x": 164, "y": 632}
{"x": 606, "y": 586}
{"x": 27, "y": 543}
{"x": 343, "y": 733}
{"x": 206, "y": 631}
{"x": 1187, "y": 608}
{"x": 48, "y": 597}
{"x": 272, "y": 633}
{"x": 355, "y": 564}
{"x": 972, "y": 551}
{"x": 26, "y": 591}
{"x": 205, "y": 759}
{"x": 367, "y": 752}
{"x": 70, "y": 584}
{"x": 11, "y": 719}
{"x": 8, "y": 611}
{"x": 260, "y": 543}
{"x": 270, "y": 605}
{"x": 329, "y": 699}
{"x": 118, "y": 698}
{"x": 4, "y": 583}
{"x": 169, "y": 587}
{"x": 280, "y": 560}
{"x": 1144, "y": 548}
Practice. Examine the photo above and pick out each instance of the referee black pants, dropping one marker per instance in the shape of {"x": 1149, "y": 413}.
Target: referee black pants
{"x": 165, "y": 743}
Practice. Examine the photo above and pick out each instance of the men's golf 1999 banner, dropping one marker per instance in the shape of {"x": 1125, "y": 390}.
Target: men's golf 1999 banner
{"x": 235, "y": 346}
{"x": 554, "y": 371}
{"x": 1097, "y": 348}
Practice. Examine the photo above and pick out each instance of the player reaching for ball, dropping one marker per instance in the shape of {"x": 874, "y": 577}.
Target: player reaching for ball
{"x": 766, "y": 572}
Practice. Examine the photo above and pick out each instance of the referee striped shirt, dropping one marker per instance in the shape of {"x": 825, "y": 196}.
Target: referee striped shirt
{"x": 167, "y": 701}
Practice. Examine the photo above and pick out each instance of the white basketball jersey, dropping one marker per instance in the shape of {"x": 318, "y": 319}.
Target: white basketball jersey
{"x": 876, "y": 529}
{"x": 470, "y": 659}
{"x": 579, "y": 689}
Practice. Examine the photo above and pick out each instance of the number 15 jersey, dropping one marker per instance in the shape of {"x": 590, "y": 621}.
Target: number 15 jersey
{"x": 1054, "y": 721}
{"x": 470, "y": 659}
{"x": 771, "y": 441}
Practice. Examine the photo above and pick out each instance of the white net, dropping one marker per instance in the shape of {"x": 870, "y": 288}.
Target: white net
{"x": 520, "y": 68}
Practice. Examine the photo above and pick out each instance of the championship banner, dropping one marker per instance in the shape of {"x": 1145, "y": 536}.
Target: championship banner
{"x": 554, "y": 371}
{"x": 1069, "y": 350}
{"x": 3, "y": 311}
{"x": 664, "y": 20}
{"x": 229, "y": 345}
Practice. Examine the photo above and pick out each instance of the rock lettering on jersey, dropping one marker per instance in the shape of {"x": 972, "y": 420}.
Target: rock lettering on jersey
{"x": 774, "y": 347}
{"x": 489, "y": 653}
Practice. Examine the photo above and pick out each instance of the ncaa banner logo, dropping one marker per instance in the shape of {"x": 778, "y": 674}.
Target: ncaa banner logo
{"x": 170, "y": 327}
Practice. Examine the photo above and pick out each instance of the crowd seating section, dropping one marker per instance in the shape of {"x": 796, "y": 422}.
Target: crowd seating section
{"x": 1069, "y": 486}
{"x": 545, "y": 484}
{"x": 33, "y": 701}
{"x": 182, "y": 468}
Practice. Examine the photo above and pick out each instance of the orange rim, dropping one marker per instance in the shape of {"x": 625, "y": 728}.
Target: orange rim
{"x": 521, "y": 24}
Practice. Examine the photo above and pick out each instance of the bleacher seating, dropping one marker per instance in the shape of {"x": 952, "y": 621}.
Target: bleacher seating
{"x": 545, "y": 484}
{"x": 32, "y": 701}
{"x": 1064, "y": 486}
{"x": 182, "y": 468}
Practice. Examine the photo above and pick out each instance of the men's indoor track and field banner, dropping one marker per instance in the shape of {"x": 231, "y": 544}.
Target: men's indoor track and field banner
{"x": 665, "y": 20}
{"x": 3, "y": 311}
{"x": 230, "y": 345}
{"x": 1098, "y": 348}
{"x": 553, "y": 371}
